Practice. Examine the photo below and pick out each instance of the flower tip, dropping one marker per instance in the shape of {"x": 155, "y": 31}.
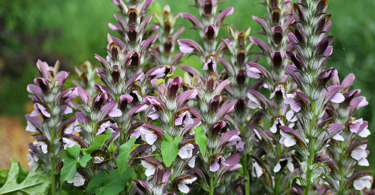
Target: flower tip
{"x": 230, "y": 11}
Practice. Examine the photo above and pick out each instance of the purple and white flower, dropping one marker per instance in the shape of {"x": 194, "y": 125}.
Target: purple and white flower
{"x": 183, "y": 184}
{"x": 289, "y": 164}
{"x": 69, "y": 143}
{"x": 40, "y": 109}
{"x": 186, "y": 151}
{"x": 360, "y": 154}
{"x": 43, "y": 146}
{"x": 237, "y": 141}
{"x": 257, "y": 170}
{"x": 219, "y": 161}
{"x": 184, "y": 118}
{"x": 150, "y": 168}
{"x": 363, "y": 182}
{"x": 287, "y": 139}
{"x": 278, "y": 89}
{"x": 276, "y": 123}
{"x": 32, "y": 160}
{"x": 98, "y": 159}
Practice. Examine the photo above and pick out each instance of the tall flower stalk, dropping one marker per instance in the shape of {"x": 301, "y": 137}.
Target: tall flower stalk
{"x": 275, "y": 28}
{"x": 347, "y": 151}
{"x": 309, "y": 71}
{"x": 51, "y": 103}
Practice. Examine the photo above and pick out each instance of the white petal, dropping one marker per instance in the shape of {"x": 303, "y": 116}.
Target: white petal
{"x": 290, "y": 166}
{"x": 191, "y": 162}
{"x": 115, "y": 113}
{"x": 98, "y": 159}
{"x": 289, "y": 141}
{"x": 186, "y": 151}
{"x": 150, "y": 168}
{"x": 30, "y": 127}
{"x": 290, "y": 116}
{"x": 151, "y": 138}
{"x": 358, "y": 154}
{"x": 42, "y": 145}
{"x": 277, "y": 167}
{"x": 68, "y": 110}
{"x": 338, "y": 98}
{"x": 338, "y": 137}
{"x": 273, "y": 129}
{"x": 364, "y": 133}
{"x": 183, "y": 187}
{"x": 358, "y": 184}
{"x": 363, "y": 162}
{"x": 78, "y": 180}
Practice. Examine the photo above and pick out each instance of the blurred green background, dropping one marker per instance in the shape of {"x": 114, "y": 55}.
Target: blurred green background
{"x": 73, "y": 30}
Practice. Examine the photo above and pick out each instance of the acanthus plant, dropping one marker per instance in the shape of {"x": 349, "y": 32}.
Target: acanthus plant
{"x": 132, "y": 127}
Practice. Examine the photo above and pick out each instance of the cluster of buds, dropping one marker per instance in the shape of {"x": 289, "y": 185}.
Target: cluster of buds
{"x": 155, "y": 134}
{"x": 86, "y": 77}
{"x": 208, "y": 29}
{"x": 167, "y": 38}
{"x": 130, "y": 56}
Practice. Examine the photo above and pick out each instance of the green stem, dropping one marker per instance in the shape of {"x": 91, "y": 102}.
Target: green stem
{"x": 246, "y": 170}
{"x": 309, "y": 163}
{"x": 342, "y": 172}
{"x": 212, "y": 188}
{"x": 310, "y": 160}
{"x": 53, "y": 159}
{"x": 277, "y": 180}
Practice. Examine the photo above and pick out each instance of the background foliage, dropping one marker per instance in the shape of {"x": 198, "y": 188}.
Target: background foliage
{"x": 72, "y": 31}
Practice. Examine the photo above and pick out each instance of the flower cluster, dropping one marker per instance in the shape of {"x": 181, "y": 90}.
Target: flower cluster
{"x": 131, "y": 127}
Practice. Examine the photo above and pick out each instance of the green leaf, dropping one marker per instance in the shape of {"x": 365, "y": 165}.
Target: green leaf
{"x": 98, "y": 141}
{"x": 124, "y": 153}
{"x": 201, "y": 139}
{"x": 169, "y": 148}
{"x": 73, "y": 151}
{"x": 68, "y": 171}
{"x": 112, "y": 148}
{"x": 187, "y": 78}
{"x": 70, "y": 159}
{"x": 84, "y": 159}
{"x": 37, "y": 181}
{"x": 110, "y": 183}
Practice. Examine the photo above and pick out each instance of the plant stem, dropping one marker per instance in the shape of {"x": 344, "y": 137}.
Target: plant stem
{"x": 212, "y": 188}
{"x": 342, "y": 180}
{"x": 277, "y": 179}
{"x": 309, "y": 163}
{"x": 247, "y": 185}
{"x": 310, "y": 160}
{"x": 53, "y": 159}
